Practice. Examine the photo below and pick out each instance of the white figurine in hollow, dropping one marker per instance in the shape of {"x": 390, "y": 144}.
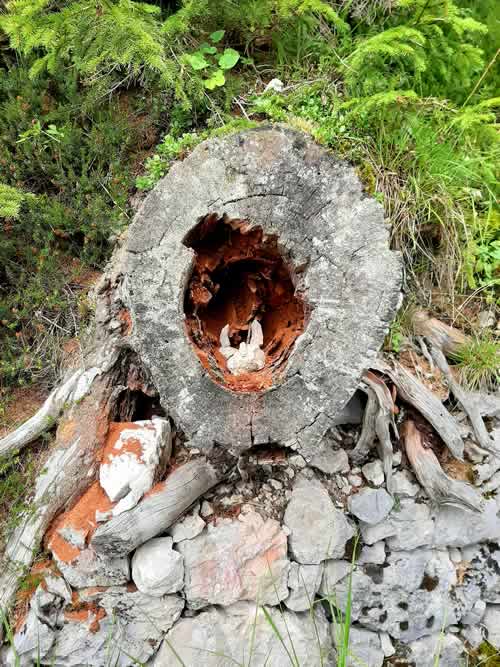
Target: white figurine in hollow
{"x": 249, "y": 357}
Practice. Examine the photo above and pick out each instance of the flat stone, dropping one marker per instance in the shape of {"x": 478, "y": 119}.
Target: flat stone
{"x": 364, "y": 648}
{"x": 373, "y": 554}
{"x": 135, "y": 622}
{"x": 386, "y": 645}
{"x": 445, "y": 650}
{"x": 318, "y": 531}
{"x": 303, "y": 582}
{"x": 157, "y": 569}
{"x": 330, "y": 461}
{"x": 373, "y": 472}
{"x": 408, "y": 526}
{"x": 132, "y": 455}
{"x": 92, "y": 569}
{"x": 457, "y": 527}
{"x": 188, "y": 527}
{"x": 333, "y": 572}
{"x": 241, "y": 634}
{"x": 491, "y": 622}
{"x": 409, "y": 597}
{"x": 236, "y": 559}
{"x": 370, "y": 505}
{"x": 404, "y": 484}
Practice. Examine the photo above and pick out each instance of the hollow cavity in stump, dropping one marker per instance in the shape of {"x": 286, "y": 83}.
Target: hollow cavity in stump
{"x": 239, "y": 276}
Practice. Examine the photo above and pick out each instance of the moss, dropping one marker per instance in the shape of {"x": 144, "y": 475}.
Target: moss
{"x": 487, "y": 655}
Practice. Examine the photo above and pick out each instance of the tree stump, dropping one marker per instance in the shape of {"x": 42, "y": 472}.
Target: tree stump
{"x": 260, "y": 225}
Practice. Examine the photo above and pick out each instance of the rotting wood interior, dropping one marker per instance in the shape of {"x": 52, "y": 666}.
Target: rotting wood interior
{"x": 239, "y": 275}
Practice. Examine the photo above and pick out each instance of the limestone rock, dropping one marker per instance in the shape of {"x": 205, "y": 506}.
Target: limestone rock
{"x": 371, "y": 505}
{"x": 364, "y": 648}
{"x": 304, "y": 582}
{"x": 408, "y": 526}
{"x": 132, "y": 455}
{"x": 317, "y": 530}
{"x": 373, "y": 554}
{"x": 334, "y": 571}
{"x": 456, "y": 527}
{"x": 330, "y": 461}
{"x": 241, "y": 634}
{"x": 116, "y": 626}
{"x": 157, "y": 569}
{"x": 188, "y": 527}
{"x": 404, "y": 484}
{"x": 315, "y": 207}
{"x": 92, "y": 569}
{"x": 409, "y": 597}
{"x": 444, "y": 650}
{"x": 240, "y": 559}
{"x": 373, "y": 472}
{"x": 491, "y": 621}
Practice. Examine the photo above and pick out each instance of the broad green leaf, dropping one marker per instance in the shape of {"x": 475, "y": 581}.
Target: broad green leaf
{"x": 217, "y": 36}
{"x": 216, "y": 80}
{"x": 197, "y": 61}
{"x": 206, "y": 48}
{"x": 229, "y": 59}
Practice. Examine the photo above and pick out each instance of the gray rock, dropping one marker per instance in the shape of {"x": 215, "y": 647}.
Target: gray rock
{"x": 404, "y": 484}
{"x": 474, "y": 616}
{"x": 373, "y": 554}
{"x": 330, "y": 461}
{"x": 303, "y": 582}
{"x": 317, "y": 530}
{"x": 33, "y": 642}
{"x": 122, "y": 628}
{"x": 240, "y": 559}
{"x": 373, "y": 472}
{"x": 280, "y": 179}
{"x": 491, "y": 622}
{"x": 371, "y": 505}
{"x": 409, "y": 597}
{"x": 443, "y": 649}
{"x": 364, "y": 648}
{"x": 457, "y": 527}
{"x": 206, "y": 509}
{"x": 386, "y": 645}
{"x": 474, "y": 635}
{"x": 355, "y": 480}
{"x": 408, "y": 526}
{"x": 334, "y": 571}
{"x": 241, "y": 634}
{"x": 92, "y": 569}
{"x": 157, "y": 569}
{"x": 188, "y": 527}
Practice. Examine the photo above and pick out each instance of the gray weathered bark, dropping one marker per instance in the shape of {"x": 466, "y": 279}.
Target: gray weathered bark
{"x": 157, "y": 511}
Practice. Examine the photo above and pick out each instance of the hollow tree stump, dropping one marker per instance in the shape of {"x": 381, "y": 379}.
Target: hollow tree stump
{"x": 260, "y": 225}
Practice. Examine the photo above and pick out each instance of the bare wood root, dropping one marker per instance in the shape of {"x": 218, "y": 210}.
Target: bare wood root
{"x": 67, "y": 394}
{"x": 469, "y": 406}
{"x": 423, "y": 400}
{"x": 447, "y": 338}
{"x": 377, "y": 422}
{"x": 156, "y": 512}
{"x": 442, "y": 489}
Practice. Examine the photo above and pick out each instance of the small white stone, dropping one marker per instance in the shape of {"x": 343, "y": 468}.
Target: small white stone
{"x": 386, "y": 645}
{"x": 355, "y": 480}
{"x": 373, "y": 554}
{"x": 403, "y": 484}
{"x": 297, "y": 461}
{"x": 275, "y": 85}
{"x": 397, "y": 458}
{"x": 374, "y": 472}
{"x": 455, "y": 555}
{"x": 157, "y": 569}
{"x": 276, "y": 484}
{"x": 370, "y": 505}
{"x": 206, "y": 509}
{"x": 188, "y": 527}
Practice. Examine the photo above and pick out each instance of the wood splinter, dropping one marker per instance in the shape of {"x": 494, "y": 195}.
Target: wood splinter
{"x": 441, "y": 488}
{"x": 377, "y": 422}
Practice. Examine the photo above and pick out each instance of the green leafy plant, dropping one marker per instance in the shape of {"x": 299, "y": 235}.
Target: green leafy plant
{"x": 478, "y": 362}
{"x": 213, "y": 62}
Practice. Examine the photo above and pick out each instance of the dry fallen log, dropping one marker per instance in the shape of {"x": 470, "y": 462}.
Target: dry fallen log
{"x": 377, "y": 422}
{"x": 69, "y": 393}
{"x": 429, "y": 406}
{"x": 469, "y": 406}
{"x": 67, "y": 473}
{"x": 447, "y": 338}
{"x": 157, "y": 511}
{"x": 442, "y": 489}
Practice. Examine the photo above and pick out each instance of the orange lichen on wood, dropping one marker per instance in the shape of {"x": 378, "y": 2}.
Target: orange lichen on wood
{"x": 239, "y": 275}
{"x": 81, "y": 519}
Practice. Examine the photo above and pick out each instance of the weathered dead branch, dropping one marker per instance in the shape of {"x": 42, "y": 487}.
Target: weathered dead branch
{"x": 429, "y": 406}
{"x": 157, "y": 511}
{"x": 442, "y": 489}
{"x": 439, "y": 334}
{"x": 377, "y": 422}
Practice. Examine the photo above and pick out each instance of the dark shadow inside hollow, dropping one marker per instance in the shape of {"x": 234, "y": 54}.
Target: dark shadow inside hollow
{"x": 238, "y": 276}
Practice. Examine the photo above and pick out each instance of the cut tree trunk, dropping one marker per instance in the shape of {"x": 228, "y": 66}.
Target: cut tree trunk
{"x": 156, "y": 511}
{"x": 441, "y": 489}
